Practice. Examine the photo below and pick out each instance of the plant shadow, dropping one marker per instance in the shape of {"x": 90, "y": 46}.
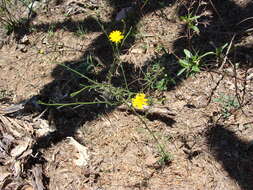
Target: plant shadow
{"x": 234, "y": 154}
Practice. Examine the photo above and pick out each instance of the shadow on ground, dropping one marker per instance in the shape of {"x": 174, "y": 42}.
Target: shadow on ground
{"x": 235, "y": 155}
{"x": 230, "y": 21}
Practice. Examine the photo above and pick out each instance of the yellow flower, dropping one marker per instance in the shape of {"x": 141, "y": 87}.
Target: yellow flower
{"x": 116, "y": 36}
{"x": 139, "y": 101}
{"x": 41, "y": 51}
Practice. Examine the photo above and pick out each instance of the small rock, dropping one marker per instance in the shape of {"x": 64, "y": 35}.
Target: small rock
{"x": 24, "y": 40}
{"x": 138, "y": 50}
{"x": 22, "y": 48}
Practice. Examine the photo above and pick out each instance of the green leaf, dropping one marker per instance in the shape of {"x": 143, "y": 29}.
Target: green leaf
{"x": 207, "y": 53}
{"x": 195, "y": 28}
{"x": 183, "y": 18}
{"x": 161, "y": 85}
{"x": 194, "y": 18}
{"x": 183, "y": 62}
{"x": 224, "y": 46}
{"x": 181, "y": 71}
{"x": 187, "y": 53}
{"x": 195, "y": 68}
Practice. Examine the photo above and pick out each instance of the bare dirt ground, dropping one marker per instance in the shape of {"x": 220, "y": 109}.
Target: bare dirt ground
{"x": 209, "y": 137}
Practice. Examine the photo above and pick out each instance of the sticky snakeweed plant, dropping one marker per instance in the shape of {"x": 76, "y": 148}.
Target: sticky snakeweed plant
{"x": 134, "y": 102}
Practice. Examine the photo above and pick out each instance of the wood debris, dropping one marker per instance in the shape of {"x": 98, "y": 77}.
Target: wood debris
{"x": 83, "y": 156}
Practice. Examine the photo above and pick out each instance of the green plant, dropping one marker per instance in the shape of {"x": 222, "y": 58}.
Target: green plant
{"x": 165, "y": 157}
{"x": 219, "y": 50}
{"x": 51, "y": 30}
{"x": 81, "y": 31}
{"x": 191, "y": 63}
{"x": 10, "y": 12}
{"x": 191, "y": 21}
{"x": 156, "y": 78}
{"x": 110, "y": 95}
{"x": 228, "y": 103}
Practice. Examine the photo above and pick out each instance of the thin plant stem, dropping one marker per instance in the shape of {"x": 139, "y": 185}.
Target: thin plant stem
{"x": 124, "y": 76}
{"x": 80, "y": 74}
{"x": 82, "y": 89}
{"x": 128, "y": 33}
{"x": 74, "y": 103}
{"x": 115, "y": 61}
{"x": 146, "y": 127}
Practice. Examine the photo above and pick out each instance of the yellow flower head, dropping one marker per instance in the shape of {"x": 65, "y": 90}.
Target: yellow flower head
{"x": 116, "y": 36}
{"x": 139, "y": 101}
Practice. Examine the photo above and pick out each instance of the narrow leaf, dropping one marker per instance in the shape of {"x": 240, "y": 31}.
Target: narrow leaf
{"x": 181, "y": 71}
{"x": 187, "y": 53}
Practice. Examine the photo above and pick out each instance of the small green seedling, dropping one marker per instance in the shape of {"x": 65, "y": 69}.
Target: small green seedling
{"x": 191, "y": 21}
{"x": 191, "y": 63}
{"x": 219, "y": 50}
{"x": 51, "y": 30}
{"x": 165, "y": 157}
{"x": 228, "y": 104}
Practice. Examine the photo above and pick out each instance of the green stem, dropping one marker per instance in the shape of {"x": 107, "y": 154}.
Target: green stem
{"x": 82, "y": 89}
{"x": 148, "y": 129}
{"x": 124, "y": 76}
{"x": 115, "y": 62}
{"x": 80, "y": 74}
{"x": 74, "y": 103}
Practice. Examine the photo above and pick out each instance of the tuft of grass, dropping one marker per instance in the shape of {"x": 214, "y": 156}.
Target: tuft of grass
{"x": 81, "y": 31}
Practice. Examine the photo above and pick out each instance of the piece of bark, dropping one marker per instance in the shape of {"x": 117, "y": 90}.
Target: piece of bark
{"x": 150, "y": 109}
{"x": 38, "y": 179}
